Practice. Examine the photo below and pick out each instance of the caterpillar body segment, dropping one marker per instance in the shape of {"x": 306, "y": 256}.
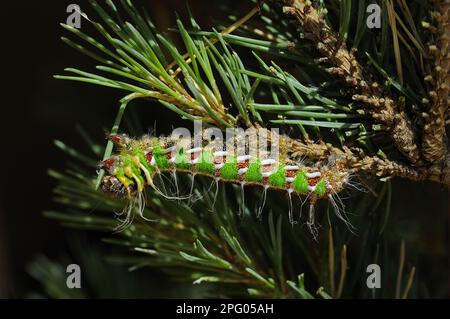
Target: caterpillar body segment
{"x": 139, "y": 161}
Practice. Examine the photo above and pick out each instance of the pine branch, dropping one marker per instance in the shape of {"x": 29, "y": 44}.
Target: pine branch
{"x": 139, "y": 59}
{"x": 355, "y": 159}
{"x": 307, "y": 106}
{"x": 205, "y": 240}
{"x": 381, "y": 106}
{"x": 434, "y": 142}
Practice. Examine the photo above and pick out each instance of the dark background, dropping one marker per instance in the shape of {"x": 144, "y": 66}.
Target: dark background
{"x": 37, "y": 109}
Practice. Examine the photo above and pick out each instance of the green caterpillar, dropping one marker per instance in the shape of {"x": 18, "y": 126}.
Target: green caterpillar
{"x": 138, "y": 161}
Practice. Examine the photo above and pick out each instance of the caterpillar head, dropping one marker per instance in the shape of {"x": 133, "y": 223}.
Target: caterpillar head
{"x": 115, "y": 183}
{"x": 111, "y": 186}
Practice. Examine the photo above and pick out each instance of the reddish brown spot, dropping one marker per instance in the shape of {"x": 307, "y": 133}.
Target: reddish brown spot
{"x": 291, "y": 173}
{"x": 149, "y": 157}
{"x": 267, "y": 168}
{"x": 194, "y": 155}
{"x": 243, "y": 164}
{"x": 169, "y": 156}
{"x": 108, "y": 163}
{"x": 116, "y": 138}
{"x": 313, "y": 181}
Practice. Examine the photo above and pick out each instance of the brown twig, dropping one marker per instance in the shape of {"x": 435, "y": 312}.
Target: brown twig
{"x": 355, "y": 160}
{"x": 381, "y": 106}
{"x": 434, "y": 142}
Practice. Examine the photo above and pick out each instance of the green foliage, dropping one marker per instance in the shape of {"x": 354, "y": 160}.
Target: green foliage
{"x": 210, "y": 243}
{"x": 188, "y": 86}
{"x": 279, "y": 84}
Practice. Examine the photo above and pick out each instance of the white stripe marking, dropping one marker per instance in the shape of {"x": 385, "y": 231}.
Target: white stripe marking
{"x": 220, "y": 154}
{"x": 242, "y": 170}
{"x": 290, "y": 179}
{"x": 311, "y": 188}
{"x": 194, "y": 150}
{"x": 313, "y": 175}
{"x": 244, "y": 158}
{"x": 219, "y": 166}
{"x": 268, "y": 161}
{"x": 267, "y": 174}
{"x": 291, "y": 168}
